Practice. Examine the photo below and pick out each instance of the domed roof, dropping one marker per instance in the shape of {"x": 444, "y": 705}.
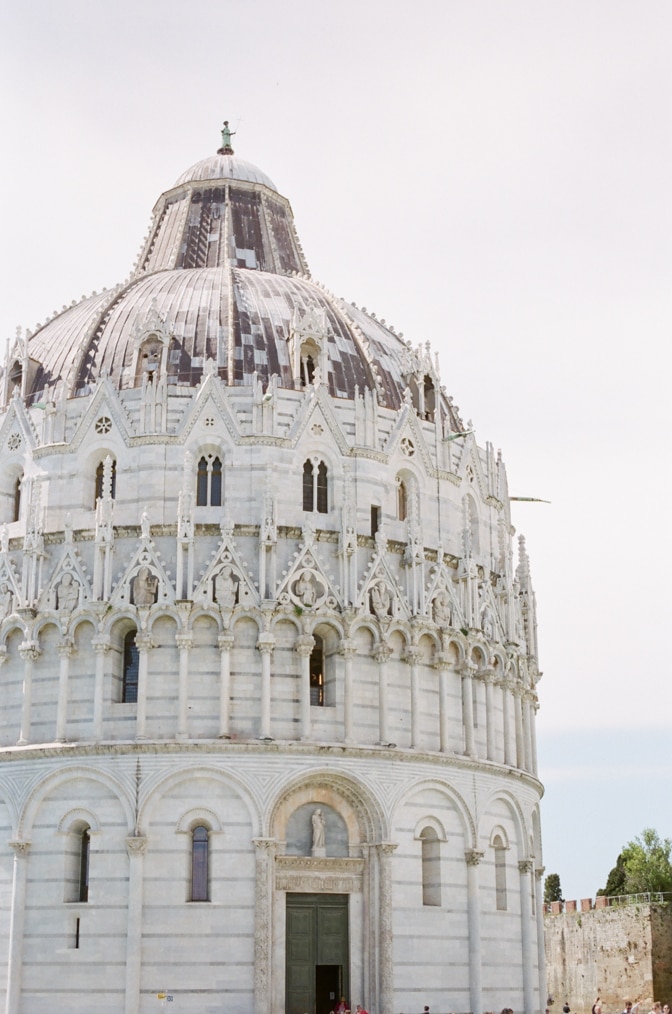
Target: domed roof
{"x": 225, "y": 167}
{"x": 221, "y": 278}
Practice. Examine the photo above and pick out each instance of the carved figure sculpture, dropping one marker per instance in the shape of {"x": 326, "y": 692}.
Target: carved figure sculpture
{"x": 380, "y": 600}
{"x": 305, "y": 589}
{"x": 442, "y": 610}
{"x": 145, "y": 586}
{"x": 488, "y": 622}
{"x": 225, "y": 588}
{"x": 6, "y": 600}
{"x": 67, "y": 594}
{"x": 319, "y": 826}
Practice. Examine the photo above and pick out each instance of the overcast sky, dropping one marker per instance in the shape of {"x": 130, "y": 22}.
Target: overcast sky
{"x": 493, "y": 177}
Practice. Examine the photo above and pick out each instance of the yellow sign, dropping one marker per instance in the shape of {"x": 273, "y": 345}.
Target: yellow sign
{"x": 160, "y": 996}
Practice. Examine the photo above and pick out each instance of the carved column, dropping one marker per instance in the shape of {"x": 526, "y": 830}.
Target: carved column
{"x": 518, "y": 715}
{"x": 29, "y": 652}
{"x": 263, "y": 896}
{"x": 16, "y": 926}
{"x": 444, "y": 666}
{"x": 348, "y": 652}
{"x": 225, "y": 644}
{"x": 135, "y": 846}
{"x": 412, "y": 656}
{"x": 303, "y": 647}
{"x": 533, "y": 707}
{"x": 527, "y": 734}
{"x": 101, "y": 646}
{"x": 489, "y": 679}
{"x": 473, "y": 858}
{"x": 65, "y": 649}
{"x": 541, "y": 951}
{"x": 382, "y": 653}
{"x": 143, "y": 643}
{"x": 386, "y": 940}
{"x": 368, "y": 921}
{"x": 467, "y": 669}
{"x": 509, "y": 753}
{"x": 184, "y": 644}
{"x": 525, "y": 868}
{"x": 265, "y": 645}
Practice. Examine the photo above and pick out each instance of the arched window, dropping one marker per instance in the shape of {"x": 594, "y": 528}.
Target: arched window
{"x": 317, "y": 673}
{"x": 16, "y": 514}
{"x": 84, "y": 853}
{"x": 129, "y": 693}
{"x": 77, "y": 862}
{"x": 500, "y": 873}
{"x": 402, "y": 500}
{"x": 429, "y": 399}
{"x": 16, "y": 376}
{"x": 209, "y": 482}
{"x": 199, "y": 863}
{"x": 100, "y": 481}
{"x": 431, "y": 867}
{"x": 315, "y": 487}
{"x": 307, "y": 370}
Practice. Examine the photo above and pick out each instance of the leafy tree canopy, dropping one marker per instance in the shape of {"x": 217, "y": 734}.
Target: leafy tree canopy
{"x": 552, "y": 889}
{"x": 643, "y": 866}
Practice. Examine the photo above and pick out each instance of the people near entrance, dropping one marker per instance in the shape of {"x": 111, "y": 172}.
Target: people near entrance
{"x": 360, "y": 1010}
{"x": 341, "y": 1007}
{"x": 631, "y": 1008}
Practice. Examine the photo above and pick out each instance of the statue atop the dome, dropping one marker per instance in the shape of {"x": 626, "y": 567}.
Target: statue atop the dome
{"x": 227, "y": 134}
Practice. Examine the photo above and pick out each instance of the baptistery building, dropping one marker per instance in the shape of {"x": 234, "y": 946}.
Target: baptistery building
{"x": 268, "y": 655}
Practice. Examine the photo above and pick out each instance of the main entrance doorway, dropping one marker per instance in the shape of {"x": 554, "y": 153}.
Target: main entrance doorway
{"x": 317, "y": 952}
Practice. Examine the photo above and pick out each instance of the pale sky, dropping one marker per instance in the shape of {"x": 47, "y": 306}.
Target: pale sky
{"x": 493, "y": 177}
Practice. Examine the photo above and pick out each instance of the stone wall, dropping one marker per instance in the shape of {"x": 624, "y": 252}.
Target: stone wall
{"x": 617, "y": 953}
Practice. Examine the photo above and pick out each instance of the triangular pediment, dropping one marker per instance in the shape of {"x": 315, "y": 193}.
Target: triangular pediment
{"x": 17, "y": 432}
{"x": 316, "y": 416}
{"x": 443, "y": 602}
{"x": 408, "y": 440}
{"x": 226, "y": 580}
{"x": 208, "y": 404}
{"x": 380, "y": 592}
{"x": 145, "y": 581}
{"x": 306, "y": 585}
{"x": 68, "y": 588}
{"x": 470, "y": 469}
{"x": 105, "y": 404}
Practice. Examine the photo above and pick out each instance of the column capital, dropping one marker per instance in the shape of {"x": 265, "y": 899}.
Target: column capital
{"x": 382, "y": 652}
{"x": 412, "y": 655}
{"x": 20, "y": 848}
{"x": 472, "y": 857}
{"x": 443, "y": 662}
{"x": 29, "y": 651}
{"x": 101, "y": 645}
{"x": 466, "y": 668}
{"x": 265, "y": 644}
{"x": 539, "y": 871}
{"x": 225, "y": 642}
{"x": 143, "y": 641}
{"x": 526, "y": 866}
{"x": 304, "y": 645}
{"x": 265, "y": 846}
{"x": 66, "y": 647}
{"x": 184, "y": 641}
{"x": 347, "y": 649}
{"x": 386, "y": 848}
{"x": 136, "y": 845}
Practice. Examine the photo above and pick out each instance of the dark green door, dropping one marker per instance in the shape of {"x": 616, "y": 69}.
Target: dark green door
{"x": 317, "y": 968}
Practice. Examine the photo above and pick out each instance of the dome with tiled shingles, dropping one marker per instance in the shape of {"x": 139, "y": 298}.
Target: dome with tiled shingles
{"x": 223, "y": 267}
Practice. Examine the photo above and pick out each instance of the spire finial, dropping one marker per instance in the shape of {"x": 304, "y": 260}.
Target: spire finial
{"x": 227, "y": 134}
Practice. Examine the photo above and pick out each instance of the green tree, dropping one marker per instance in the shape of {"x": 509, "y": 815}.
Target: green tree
{"x": 615, "y": 885}
{"x": 643, "y": 866}
{"x": 552, "y": 889}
